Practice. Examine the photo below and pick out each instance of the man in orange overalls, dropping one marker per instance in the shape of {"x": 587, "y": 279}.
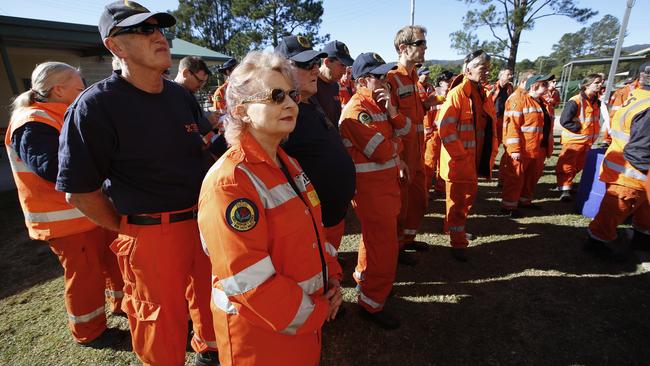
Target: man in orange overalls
{"x": 410, "y": 44}
{"x": 219, "y": 98}
{"x": 467, "y": 130}
{"x": 432, "y": 141}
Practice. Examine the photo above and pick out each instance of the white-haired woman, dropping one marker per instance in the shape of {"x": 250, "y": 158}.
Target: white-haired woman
{"x": 275, "y": 278}
{"x": 32, "y": 143}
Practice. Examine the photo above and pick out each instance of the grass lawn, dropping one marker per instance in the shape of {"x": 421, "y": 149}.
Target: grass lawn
{"x": 528, "y": 296}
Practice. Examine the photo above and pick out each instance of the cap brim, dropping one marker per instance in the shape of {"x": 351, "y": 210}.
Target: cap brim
{"x": 307, "y": 55}
{"x": 346, "y": 60}
{"x": 164, "y": 19}
{"x": 383, "y": 69}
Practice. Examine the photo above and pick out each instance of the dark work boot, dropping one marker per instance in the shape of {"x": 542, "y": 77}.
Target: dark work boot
{"x": 418, "y": 246}
{"x": 597, "y": 248}
{"x": 206, "y": 358}
{"x": 406, "y": 258}
{"x": 382, "y": 318}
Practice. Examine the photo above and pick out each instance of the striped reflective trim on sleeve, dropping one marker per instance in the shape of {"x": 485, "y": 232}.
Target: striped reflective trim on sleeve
{"x": 531, "y": 129}
{"x": 313, "y": 284}
{"x": 221, "y": 301}
{"x": 628, "y": 172}
{"x": 450, "y": 138}
{"x": 512, "y": 114}
{"x": 51, "y": 216}
{"x": 347, "y": 142}
{"x": 77, "y": 319}
{"x": 373, "y": 304}
{"x": 270, "y": 198}
{"x": 532, "y": 110}
{"x": 620, "y": 135}
{"x": 248, "y": 278}
{"x": 457, "y": 229}
{"x": 304, "y": 311}
{"x": 469, "y": 144}
{"x": 447, "y": 121}
{"x": 17, "y": 165}
{"x": 113, "y": 294}
{"x": 404, "y": 130}
{"x": 372, "y": 144}
{"x": 466, "y": 128}
{"x": 373, "y": 167}
{"x": 379, "y": 117}
{"x": 512, "y": 140}
{"x": 329, "y": 248}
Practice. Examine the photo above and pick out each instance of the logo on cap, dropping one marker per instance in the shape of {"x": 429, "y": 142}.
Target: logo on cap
{"x": 303, "y": 41}
{"x": 378, "y": 58}
{"x": 345, "y": 49}
{"x": 135, "y": 6}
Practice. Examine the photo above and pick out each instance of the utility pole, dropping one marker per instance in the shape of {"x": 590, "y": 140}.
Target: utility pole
{"x": 412, "y": 12}
{"x": 617, "y": 50}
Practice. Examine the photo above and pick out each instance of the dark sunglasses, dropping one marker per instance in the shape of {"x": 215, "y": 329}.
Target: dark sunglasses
{"x": 417, "y": 43}
{"x": 145, "y": 29}
{"x": 201, "y": 81}
{"x": 308, "y": 65}
{"x": 276, "y": 96}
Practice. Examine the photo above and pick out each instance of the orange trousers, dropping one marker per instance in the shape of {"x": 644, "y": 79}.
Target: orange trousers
{"x": 91, "y": 274}
{"x": 460, "y": 198}
{"x": 334, "y": 234}
{"x": 432, "y": 163}
{"x": 519, "y": 180}
{"x": 570, "y": 163}
{"x": 618, "y": 203}
{"x": 414, "y": 206}
{"x": 158, "y": 263}
{"x": 377, "y": 261}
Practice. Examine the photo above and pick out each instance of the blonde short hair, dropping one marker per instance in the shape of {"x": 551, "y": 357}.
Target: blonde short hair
{"x": 244, "y": 81}
{"x": 407, "y": 35}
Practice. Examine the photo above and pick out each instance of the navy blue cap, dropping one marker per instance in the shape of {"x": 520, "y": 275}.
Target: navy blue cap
{"x": 228, "y": 65}
{"x": 370, "y": 63}
{"x": 340, "y": 51}
{"x": 128, "y": 13}
{"x": 297, "y": 48}
{"x": 423, "y": 70}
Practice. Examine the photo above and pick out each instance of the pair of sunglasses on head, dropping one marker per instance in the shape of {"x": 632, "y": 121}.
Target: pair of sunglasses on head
{"x": 273, "y": 96}
{"x": 308, "y": 65}
{"x": 144, "y": 29}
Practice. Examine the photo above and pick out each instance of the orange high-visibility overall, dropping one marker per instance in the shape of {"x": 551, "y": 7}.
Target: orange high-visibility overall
{"x": 270, "y": 262}
{"x": 219, "y": 98}
{"x": 90, "y": 268}
{"x": 625, "y": 193}
{"x": 367, "y": 132}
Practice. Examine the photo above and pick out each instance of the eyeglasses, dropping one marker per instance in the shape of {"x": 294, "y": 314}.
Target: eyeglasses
{"x": 275, "y": 96}
{"x": 418, "y": 43}
{"x": 144, "y": 29}
{"x": 201, "y": 81}
{"x": 308, "y": 65}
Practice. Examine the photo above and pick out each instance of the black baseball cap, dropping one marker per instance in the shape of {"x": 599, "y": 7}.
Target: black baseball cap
{"x": 370, "y": 63}
{"x": 129, "y": 13}
{"x": 297, "y": 48}
{"x": 340, "y": 51}
{"x": 228, "y": 65}
{"x": 535, "y": 78}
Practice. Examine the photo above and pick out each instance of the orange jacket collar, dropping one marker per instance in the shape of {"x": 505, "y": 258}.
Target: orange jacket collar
{"x": 56, "y": 110}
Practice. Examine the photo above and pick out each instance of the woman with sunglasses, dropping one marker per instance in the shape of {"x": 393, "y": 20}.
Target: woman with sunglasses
{"x": 275, "y": 280}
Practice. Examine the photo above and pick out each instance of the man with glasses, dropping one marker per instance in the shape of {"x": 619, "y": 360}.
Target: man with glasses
{"x": 139, "y": 132}
{"x": 410, "y": 44}
{"x": 330, "y": 72}
{"x": 315, "y": 142}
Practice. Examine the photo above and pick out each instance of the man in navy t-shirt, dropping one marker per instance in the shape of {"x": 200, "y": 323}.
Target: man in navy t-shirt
{"x": 139, "y": 132}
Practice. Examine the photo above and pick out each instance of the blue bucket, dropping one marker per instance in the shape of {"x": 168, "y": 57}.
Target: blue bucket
{"x": 591, "y": 189}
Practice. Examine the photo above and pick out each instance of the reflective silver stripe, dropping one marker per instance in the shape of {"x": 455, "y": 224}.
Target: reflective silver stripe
{"x": 512, "y": 114}
{"x": 372, "y": 144}
{"x": 532, "y": 110}
{"x": 420, "y": 128}
{"x": 628, "y": 172}
{"x": 248, "y": 278}
{"x": 51, "y": 216}
{"x": 620, "y": 135}
{"x": 457, "y": 229}
{"x": 369, "y": 301}
{"x": 304, "y": 311}
{"x": 329, "y": 248}
{"x": 532, "y": 129}
{"x": 615, "y": 107}
{"x": 209, "y": 344}
{"x": 404, "y": 130}
{"x": 469, "y": 144}
{"x": 271, "y": 198}
{"x": 410, "y": 232}
{"x": 379, "y": 117}
{"x": 564, "y": 188}
{"x": 572, "y": 135}
{"x": 313, "y": 284}
{"x": 512, "y": 140}
{"x": 114, "y": 294}
{"x": 203, "y": 244}
{"x": 508, "y": 203}
{"x": 447, "y": 121}
{"x": 403, "y": 89}
{"x": 450, "y": 138}
{"x": 466, "y": 128}
{"x": 630, "y": 108}
{"x": 373, "y": 167}
{"x": 86, "y": 317}
{"x": 347, "y": 143}
{"x": 41, "y": 113}
{"x": 359, "y": 275}
{"x": 16, "y": 163}
{"x": 221, "y": 301}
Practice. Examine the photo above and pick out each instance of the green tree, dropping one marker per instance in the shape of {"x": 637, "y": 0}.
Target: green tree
{"x": 602, "y": 36}
{"x": 270, "y": 20}
{"x": 570, "y": 46}
{"x": 506, "y": 20}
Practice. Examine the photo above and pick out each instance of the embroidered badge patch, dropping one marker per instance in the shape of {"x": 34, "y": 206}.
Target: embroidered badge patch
{"x": 303, "y": 41}
{"x": 242, "y": 214}
{"x": 313, "y": 198}
{"x": 364, "y": 118}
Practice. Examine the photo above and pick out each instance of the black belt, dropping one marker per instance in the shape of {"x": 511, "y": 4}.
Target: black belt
{"x": 156, "y": 219}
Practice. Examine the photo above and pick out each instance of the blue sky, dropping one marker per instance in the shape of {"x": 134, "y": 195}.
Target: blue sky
{"x": 370, "y": 25}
